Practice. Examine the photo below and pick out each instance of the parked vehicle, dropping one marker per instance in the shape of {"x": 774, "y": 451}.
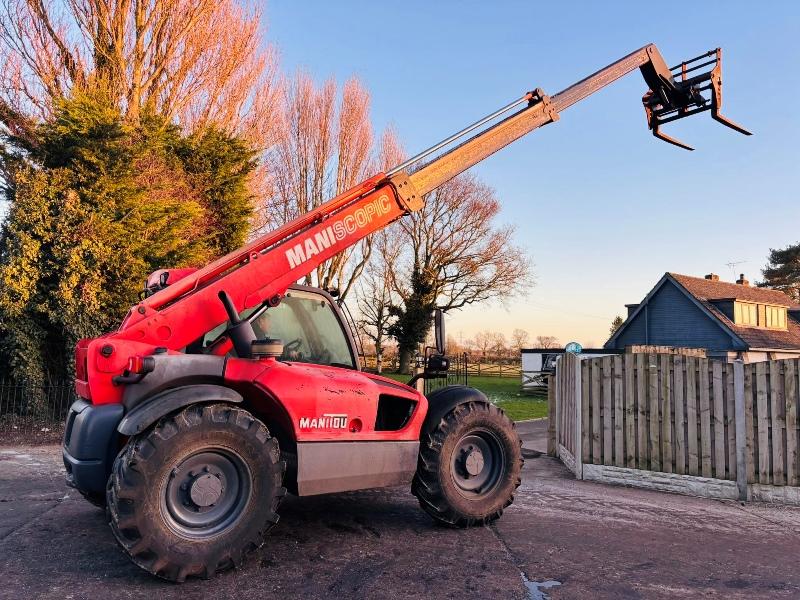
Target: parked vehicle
{"x": 228, "y": 386}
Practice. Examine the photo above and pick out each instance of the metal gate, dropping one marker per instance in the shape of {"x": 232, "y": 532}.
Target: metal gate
{"x": 456, "y": 375}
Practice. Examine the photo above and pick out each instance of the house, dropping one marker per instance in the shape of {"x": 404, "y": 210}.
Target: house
{"x": 729, "y": 320}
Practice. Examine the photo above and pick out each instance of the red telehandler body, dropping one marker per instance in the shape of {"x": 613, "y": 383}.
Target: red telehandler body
{"x": 228, "y": 386}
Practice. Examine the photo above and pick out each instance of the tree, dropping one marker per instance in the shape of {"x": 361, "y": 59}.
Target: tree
{"x": 324, "y": 147}
{"x": 783, "y": 271}
{"x": 453, "y": 257}
{"x": 498, "y": 345}
{"x": 194, "y": 63}
{"x": 483, "y": 342}
{"x": 616, "y": 324}
{"x": 519, "y": 339}
{"x": 375, "y": 298}
{"x": 547, "y": 341}
{"x": 97, "y": 203}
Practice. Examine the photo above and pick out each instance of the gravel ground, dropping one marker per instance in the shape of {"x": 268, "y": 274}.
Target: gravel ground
{"x": 561, "y": 539}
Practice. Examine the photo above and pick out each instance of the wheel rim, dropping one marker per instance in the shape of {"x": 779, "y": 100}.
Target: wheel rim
{"x": 206, "y": 492}
{"x": 477, "y": 463}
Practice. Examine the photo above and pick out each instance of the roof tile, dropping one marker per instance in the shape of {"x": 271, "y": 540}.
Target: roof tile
{"x": 706, "y": 291}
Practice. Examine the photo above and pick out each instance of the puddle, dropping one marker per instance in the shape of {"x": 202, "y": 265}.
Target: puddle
{"x": 535, "y": 588}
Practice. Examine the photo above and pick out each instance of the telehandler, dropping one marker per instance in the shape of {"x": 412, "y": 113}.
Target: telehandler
{"x": 229, "y": 385}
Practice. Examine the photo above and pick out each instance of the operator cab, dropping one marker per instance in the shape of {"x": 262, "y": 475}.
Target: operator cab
{"x": 307, "y": 320}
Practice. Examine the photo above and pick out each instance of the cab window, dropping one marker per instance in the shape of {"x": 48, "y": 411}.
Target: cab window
{"x": 309, "y": 328}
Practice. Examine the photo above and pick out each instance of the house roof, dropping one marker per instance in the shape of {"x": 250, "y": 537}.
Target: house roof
{"x": 707, "y": 291}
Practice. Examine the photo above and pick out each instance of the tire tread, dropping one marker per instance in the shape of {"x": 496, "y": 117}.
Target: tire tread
{"x": 123, "y": 489}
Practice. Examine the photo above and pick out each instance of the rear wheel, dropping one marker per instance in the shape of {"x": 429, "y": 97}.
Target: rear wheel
{"x": 469, "y": 467}
{"x": 197, "y": 492}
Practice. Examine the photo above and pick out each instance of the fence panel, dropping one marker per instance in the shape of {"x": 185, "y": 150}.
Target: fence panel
{"x": 771, "y": 413}
{"x": 28, "y": 408}
{"x": 677, "y": 414}
{"x": 569, "y": 377}
{"x": 666, "y": 413}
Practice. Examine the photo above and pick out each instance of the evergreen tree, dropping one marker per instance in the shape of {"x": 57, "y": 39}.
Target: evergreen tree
{"x": 783, "y": 271}
{"x": 616, "y": 324}
{"x": 96, "y": 204}
{"x": 414, "y": 317}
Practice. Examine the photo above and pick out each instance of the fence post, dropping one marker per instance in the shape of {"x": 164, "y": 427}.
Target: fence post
{"x": 558, "y": 403}
{"x": 741, "y": 437}
{"x": 551, "y": 415}
{"x": 578, "y": 413}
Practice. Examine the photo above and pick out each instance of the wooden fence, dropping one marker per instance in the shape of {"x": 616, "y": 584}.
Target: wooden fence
{"x": 481, "y": 369}
{"x": 682, "y": 415}
{"x": 568, "y": 408}
{"x": 495, "y": 369}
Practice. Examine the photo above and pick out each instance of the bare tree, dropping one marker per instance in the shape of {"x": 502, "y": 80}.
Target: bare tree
{"x": 195, "y": 62}
{"x": 483, "y": 342}
{"x": 499, "y": 345}
{"x": 519, "y": 339}
{"x": 453, "y": 256}
{"x": 375, "y": 297}
{"x": 324, "y": 147}
{"x": 547, "y": 341}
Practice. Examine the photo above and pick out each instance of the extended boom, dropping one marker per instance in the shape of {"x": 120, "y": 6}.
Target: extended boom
{"x": 177, "y": 310}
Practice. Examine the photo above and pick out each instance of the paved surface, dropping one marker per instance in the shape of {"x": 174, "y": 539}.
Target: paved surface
{"x": 561, "y": 539}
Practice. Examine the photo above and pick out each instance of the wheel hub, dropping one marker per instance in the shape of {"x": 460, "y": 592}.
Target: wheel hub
{"x": 205, "y": 490}
{"x": 205, "y": 493}
{"x": 477, "y": 463}
{"x": 473, "y": 462}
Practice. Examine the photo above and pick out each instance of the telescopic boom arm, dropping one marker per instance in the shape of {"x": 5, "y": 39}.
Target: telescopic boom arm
{"x": 176, "y": 313}
{"x": 667, "y": 100}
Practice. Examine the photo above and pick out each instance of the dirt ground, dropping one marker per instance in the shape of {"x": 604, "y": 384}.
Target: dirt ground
{"x": 561, "y": 539}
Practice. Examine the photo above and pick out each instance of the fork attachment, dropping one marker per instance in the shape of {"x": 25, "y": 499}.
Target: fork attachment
{"x": 675, "y": 94}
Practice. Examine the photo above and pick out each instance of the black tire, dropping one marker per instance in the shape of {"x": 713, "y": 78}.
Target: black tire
{"x": 98, "y": 499}
{"x": 168, "y": 505}
{"x": 459, "y": 486}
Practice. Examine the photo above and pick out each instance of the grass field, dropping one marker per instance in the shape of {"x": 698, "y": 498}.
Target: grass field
{"x": 504, "y": 391}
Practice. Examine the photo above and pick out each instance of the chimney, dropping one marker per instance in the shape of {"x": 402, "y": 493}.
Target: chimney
{"x": 712, "y": 277}
{"x": 742, "y": 280}
{"x": 631, "y": 308}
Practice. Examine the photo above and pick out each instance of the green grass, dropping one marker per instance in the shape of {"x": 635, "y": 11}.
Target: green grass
{"x": 504, "y": 391}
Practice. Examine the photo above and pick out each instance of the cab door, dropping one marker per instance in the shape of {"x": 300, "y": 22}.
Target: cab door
{"x": 322, "y": 388}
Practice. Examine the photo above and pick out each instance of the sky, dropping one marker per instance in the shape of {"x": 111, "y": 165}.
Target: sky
{"x": 602, "y": 207}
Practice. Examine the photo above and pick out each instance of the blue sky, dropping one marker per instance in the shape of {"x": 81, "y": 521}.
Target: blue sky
{"x": 603, "y": 208}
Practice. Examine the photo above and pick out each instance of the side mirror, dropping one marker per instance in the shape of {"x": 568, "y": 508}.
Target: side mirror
{"x": 438, "y": 325}
{"x": 437, "y": 366}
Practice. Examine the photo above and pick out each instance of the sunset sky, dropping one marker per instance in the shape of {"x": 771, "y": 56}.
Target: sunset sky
{"x": 603, "y": 208}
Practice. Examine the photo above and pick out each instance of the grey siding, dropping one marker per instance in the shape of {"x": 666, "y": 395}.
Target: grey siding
{"x": 674, "y": 320}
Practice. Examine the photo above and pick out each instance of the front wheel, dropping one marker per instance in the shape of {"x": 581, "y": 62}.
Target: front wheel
{"x": 197, "y": 492}
{"x": 469, "y": 466}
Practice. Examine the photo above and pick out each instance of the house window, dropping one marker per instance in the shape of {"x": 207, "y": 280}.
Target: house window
{"x": 776, "y": 317}
{"x": 759, "y": 315}
{"x": 746, "y": 314}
